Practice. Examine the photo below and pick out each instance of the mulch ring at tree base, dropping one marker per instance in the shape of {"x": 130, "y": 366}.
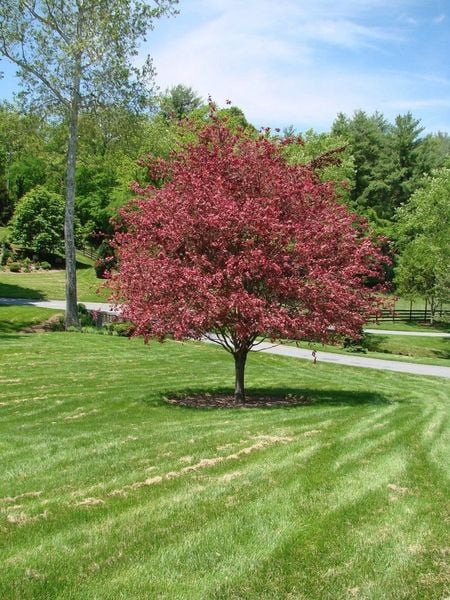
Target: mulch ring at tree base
{"x": 227, "y": 401}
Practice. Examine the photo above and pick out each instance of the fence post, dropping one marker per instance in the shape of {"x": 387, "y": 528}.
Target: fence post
{"x": 426, "y": 307}
{"x": 410, "y": 309}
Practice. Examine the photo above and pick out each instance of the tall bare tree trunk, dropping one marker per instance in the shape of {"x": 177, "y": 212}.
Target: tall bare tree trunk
{"x": 240, "y": 358}
{"x": 71, "y": 319}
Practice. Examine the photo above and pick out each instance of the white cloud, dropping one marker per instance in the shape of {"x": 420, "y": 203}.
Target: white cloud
{"x": 276, "y": 59}
{"x": 420, "y": 103}
{"x": 345, "y": 33}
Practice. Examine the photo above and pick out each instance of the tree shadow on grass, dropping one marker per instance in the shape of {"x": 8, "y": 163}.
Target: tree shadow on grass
{"x": 9, "y": 290}
{"x": 83, "y": 265}
{"x": 287, "y": 398}
{"x": 8, "y": 333}
{"x": 374, "y": 342}
{"x": 15, "y": 322}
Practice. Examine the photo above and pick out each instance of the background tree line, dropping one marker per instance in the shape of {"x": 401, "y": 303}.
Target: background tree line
{"x": 383, "y": 170}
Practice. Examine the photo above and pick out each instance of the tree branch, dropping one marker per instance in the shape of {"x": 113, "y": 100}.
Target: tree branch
{"x": 52, "y": 24}
{"x": 263, "y": 349}
{"x": 56, "y": 25}
{"x": 220, "y": 339}
{"x": 260, "y": 342}
{"x": 26, "y": 66}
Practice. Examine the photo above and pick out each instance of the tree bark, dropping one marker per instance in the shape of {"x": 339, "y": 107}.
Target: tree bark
{"x": 240, "y": 358}
{"x": 71, "y": 319}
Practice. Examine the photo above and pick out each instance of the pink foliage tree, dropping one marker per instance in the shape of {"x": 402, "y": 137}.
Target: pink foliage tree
{"x": 238, "y": 245}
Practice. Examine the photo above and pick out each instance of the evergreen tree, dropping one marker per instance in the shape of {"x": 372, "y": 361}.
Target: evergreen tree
{"x": 390, "y": 160}
{"x": 405, "y": 152}
{"x": 367, "y": 136}
{"x": 178, "y": 101}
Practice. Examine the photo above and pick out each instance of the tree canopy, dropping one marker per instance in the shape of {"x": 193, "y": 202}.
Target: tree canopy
{"x": 390, "y": 159}
{"x": 38, "y": 222}
{"x": 240, "y": 244}
{"x": 424, "y": 241}
{"x": 178, "y": 101}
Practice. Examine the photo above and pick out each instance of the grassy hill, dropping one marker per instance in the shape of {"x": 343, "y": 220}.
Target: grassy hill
{"x": 107, "y": 492}
{"x": 50, "y": 285}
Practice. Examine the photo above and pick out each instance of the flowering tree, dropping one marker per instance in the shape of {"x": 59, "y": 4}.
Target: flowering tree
{"x": 238, "y": 245}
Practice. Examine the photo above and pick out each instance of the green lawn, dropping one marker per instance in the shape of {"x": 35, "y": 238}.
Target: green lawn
{"x": 51, "y": 285}
{"x": 16, "y": 318}
{"x": 108, "y": 493}
{"x": 410, "y": 346}
{"x": 411, "y": 326}
{"x": 418, "y": 304}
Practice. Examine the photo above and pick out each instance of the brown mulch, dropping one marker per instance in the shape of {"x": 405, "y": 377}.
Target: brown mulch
{"x": 227, "y": 401}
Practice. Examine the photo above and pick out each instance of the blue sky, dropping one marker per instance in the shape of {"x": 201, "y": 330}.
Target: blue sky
{"x": 300, "y": 62}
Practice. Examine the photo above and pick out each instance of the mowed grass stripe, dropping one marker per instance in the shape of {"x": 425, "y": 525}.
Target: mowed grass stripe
{"x": 200, "y": 536}
{"x": 351, "y": 505}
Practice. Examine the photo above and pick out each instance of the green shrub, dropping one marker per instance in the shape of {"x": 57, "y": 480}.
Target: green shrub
{"x": 85, "y": 317}
{"x": 46, "y": 266}
{"x": 122, "y": 328}
{"x": 58, "y": 325}
{"x": 7, "y": 254}
{"x": 15, "y": 267}
{"x": 26, "y": 265}
{"x": 355, "y": 345}
{"x": 38, "y": 222}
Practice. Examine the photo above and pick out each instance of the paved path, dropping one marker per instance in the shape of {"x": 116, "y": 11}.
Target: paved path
{"x": 358, "y": 361}
{"x": 435, "y": 334}
{"x": 292, "y": 351}
{"x": 58, "y": 304}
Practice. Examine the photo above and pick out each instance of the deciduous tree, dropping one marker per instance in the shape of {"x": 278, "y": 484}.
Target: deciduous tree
{"x": 38, "y": 222}
{"x": 239, "y": 244}
{"x": 339, "y": 166}
{"x": 74, "y": 55}
{"x": 423, "y": 231}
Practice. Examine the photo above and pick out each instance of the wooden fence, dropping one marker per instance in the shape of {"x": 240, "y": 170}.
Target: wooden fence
{"x": 410, "y": 314}
{"x": 89, "y": 252}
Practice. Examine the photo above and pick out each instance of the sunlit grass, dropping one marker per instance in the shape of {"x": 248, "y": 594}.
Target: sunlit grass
{"x": 50, "y": 285}
{"x": 18, "y": 318}
{"x": 109, "y": 493}
{"x": 411, "y": 326}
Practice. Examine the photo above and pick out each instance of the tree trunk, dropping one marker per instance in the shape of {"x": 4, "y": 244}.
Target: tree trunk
{"x": 240, "y": 358}
{"x": 69, "y": 233}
